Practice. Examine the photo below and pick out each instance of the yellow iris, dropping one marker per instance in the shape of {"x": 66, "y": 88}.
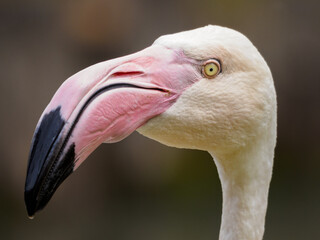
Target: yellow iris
{"x": 211, "y": 69}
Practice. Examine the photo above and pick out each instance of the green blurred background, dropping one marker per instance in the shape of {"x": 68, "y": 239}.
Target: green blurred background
{"x": 138, "y": 188}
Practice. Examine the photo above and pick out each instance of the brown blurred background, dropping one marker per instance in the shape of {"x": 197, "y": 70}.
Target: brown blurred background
{"x": 138, "y": 188}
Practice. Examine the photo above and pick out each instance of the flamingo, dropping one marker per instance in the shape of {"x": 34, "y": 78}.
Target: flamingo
{"x": 207, "y": 89}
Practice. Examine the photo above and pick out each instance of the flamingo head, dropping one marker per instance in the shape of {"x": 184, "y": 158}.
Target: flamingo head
{"x": 207, "y": 89}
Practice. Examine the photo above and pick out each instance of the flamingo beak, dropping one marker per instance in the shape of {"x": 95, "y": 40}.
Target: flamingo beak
{"x": 102, "y": 103}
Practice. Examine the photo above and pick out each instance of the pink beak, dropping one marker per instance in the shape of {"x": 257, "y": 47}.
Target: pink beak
{"x": 102, "y": 103}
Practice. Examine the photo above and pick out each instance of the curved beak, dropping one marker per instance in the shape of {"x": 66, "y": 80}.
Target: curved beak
{"x": 102, "y": 103}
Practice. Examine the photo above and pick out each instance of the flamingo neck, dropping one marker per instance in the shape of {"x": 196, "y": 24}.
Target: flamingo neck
{"x": 245, "y": 177}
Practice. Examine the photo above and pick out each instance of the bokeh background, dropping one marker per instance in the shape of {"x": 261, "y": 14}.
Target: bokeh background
{"x": 138, "y": 188}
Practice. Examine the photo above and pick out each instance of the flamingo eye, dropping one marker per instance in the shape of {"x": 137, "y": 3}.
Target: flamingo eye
{"x": 211, "y": 68}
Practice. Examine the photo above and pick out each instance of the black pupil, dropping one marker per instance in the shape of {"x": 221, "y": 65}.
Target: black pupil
{"x": 211, "y": 69}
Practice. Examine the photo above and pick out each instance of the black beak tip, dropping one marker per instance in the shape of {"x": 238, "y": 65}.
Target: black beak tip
{"x": 44, "y": 140}
{"x": 38, "y": 194}
{"x": 31, "y": 203}
{"x": 50, "y": 162}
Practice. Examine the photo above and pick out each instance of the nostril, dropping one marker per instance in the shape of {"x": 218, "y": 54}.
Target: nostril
{"x": 121, "y": 74}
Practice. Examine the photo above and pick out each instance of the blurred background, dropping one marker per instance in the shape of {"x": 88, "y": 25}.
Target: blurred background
{"x": 138, "y": 188}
